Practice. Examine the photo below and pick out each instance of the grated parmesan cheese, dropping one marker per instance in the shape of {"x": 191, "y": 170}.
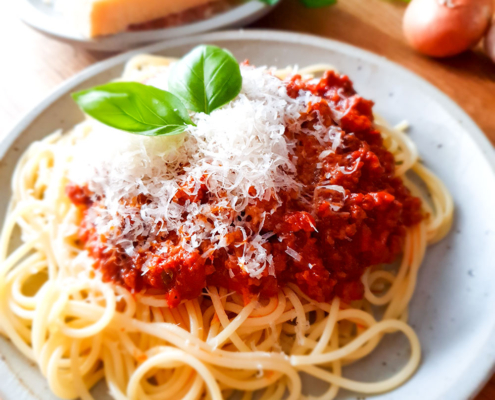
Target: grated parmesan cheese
{"x": 240, "y": 152}
{"x": 294, "y": 254}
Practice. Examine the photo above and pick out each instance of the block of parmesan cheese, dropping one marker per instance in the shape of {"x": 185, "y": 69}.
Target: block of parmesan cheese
{"x": 106, "y": 17}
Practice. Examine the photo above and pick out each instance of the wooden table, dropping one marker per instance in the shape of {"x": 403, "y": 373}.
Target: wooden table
{"x": 32, "y": 64}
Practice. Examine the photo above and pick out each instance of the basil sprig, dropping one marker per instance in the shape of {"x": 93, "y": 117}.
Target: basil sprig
{"x": 134, "y": 107}
{"x": 206, "y": 78}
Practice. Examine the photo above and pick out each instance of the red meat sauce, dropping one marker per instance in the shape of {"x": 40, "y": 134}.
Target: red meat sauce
{"x": 336, "y": 237}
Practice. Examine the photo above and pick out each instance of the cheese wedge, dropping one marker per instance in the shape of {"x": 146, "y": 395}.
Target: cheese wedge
{"x": 106, "y": 17}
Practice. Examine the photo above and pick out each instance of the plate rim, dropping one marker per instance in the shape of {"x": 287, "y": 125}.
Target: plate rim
{"x": 481, "y": 368}
{"x": 239, "y": 15}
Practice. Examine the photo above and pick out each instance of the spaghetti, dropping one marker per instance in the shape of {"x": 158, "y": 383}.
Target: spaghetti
{"x": 59, "y": 313}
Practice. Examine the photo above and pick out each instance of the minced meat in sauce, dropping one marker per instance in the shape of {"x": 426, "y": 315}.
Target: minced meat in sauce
{"x": 322, "y": 239}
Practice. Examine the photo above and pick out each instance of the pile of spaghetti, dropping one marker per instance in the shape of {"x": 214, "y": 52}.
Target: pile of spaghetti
{"x": 229, "y": 258}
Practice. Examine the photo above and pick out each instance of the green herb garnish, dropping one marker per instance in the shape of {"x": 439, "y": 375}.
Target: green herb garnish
{"x": 205, "y": 79}
{"x": 134, "y": 107}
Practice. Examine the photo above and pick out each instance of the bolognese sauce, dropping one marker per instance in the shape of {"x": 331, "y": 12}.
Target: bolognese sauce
{"x": 348, "y": 212}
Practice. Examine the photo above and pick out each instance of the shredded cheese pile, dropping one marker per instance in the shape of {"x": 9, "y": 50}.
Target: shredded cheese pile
{"x": 240, "y": 152}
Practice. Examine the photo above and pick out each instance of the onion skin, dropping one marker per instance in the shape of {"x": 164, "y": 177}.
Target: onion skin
{"x": 443, "y": 28}
{"x": 490, "y": 41}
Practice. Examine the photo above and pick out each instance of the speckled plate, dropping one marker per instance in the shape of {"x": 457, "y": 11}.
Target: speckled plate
{"x": 453, "y": 306}
{"x": 44, "y": 17}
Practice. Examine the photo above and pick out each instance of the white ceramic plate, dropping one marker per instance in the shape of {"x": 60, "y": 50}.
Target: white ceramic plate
{"x": 42, "y": 16}
{"x": 453, "y": 306}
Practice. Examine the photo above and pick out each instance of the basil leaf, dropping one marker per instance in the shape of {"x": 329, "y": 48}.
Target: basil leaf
{"x": 318, "y": 3}
{"x": 270, "y": 2}
{"x": 206, "y": 78}
{"x": 134, "y": 107}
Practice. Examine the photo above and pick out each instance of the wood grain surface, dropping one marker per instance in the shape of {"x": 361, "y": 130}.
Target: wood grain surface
{"x": 32, "y": 64}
